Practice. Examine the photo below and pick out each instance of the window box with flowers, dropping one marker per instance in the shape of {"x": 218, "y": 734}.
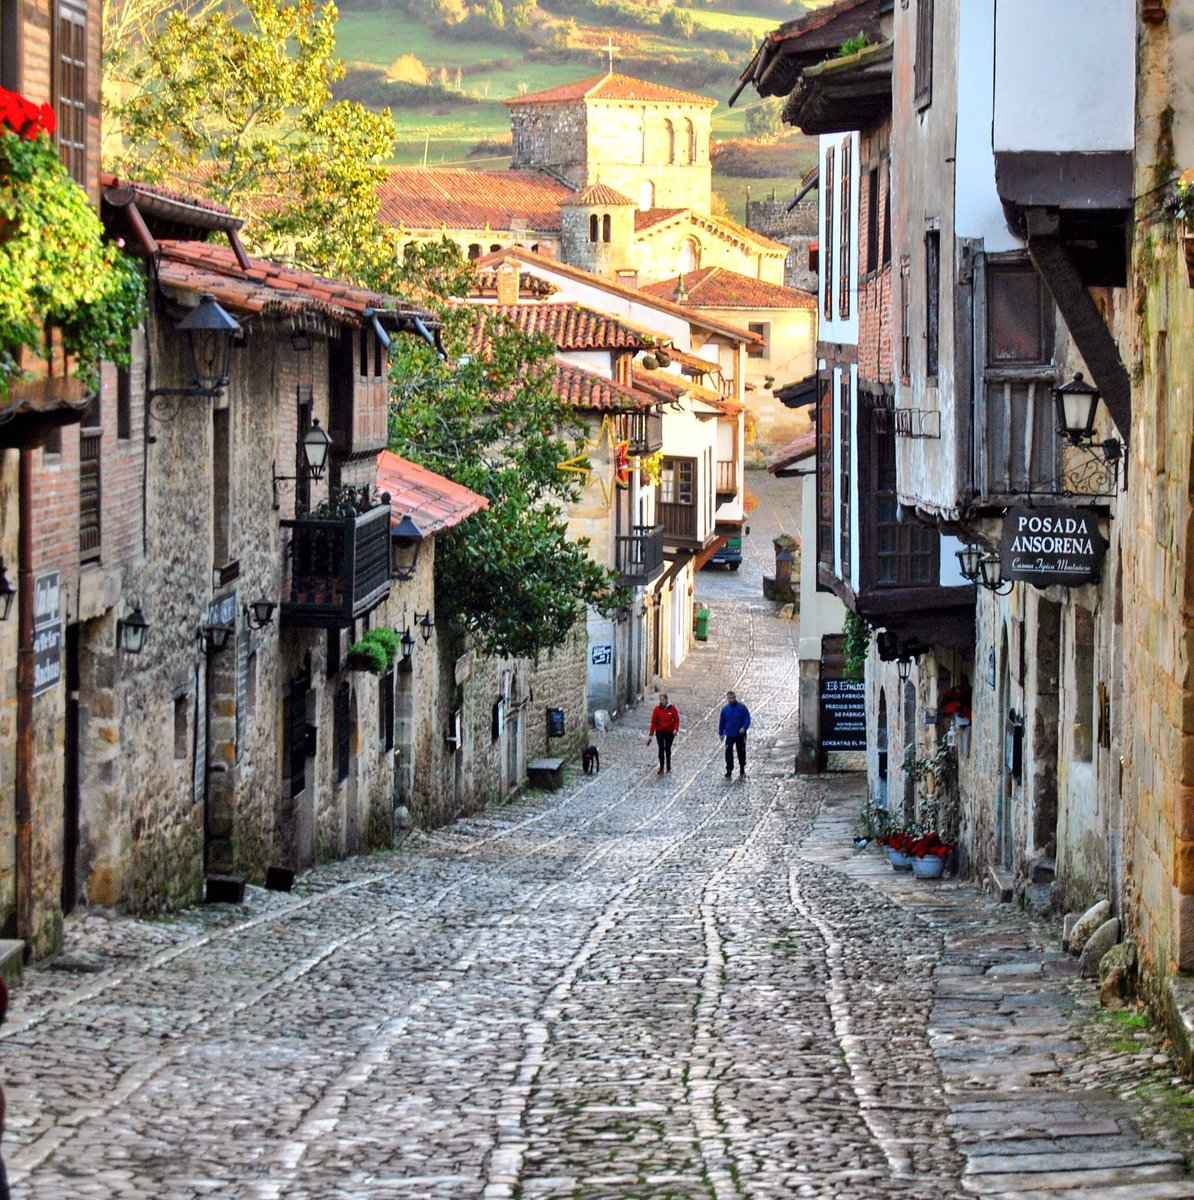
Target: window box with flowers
{"x": 58, "y": 275}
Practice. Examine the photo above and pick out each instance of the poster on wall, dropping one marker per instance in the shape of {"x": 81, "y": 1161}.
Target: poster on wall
{"x": 843, "y": 714}
{"x": 47, "y": 632}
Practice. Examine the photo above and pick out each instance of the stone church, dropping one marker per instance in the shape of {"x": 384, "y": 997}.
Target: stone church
{"x": 609, "y": 173}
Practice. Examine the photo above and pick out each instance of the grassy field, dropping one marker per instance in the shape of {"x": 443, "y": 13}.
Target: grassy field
{"x": 443, "y": 131}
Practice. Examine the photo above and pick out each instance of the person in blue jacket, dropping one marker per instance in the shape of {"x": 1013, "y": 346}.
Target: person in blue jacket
{"x": 735, "y": 721}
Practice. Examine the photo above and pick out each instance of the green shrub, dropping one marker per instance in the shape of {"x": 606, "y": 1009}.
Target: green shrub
{"x": 375, "y": 652}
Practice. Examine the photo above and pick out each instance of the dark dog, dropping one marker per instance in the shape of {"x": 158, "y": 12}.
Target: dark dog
{"x": 591, "y": 760}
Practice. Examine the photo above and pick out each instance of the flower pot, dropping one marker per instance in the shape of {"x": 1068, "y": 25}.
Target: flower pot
{"x": 899, "y": 860}
{"x": 929, "y": 866}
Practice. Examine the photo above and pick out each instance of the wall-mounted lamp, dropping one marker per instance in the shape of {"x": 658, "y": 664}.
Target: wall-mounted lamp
{"x": 1077, "y": 403}
{"x": 990, "y": 575}
{"x": 210, "y": 331}
{"x": 7, "y": 592}
{"x": 426, "y": 624}
{"x": 968, "y": 559}
{"x": 904, "y": 669}
{"x": 260, "y": 613}
{"x": 215, "y": 637}
{"x": 406, "y": 538}
{"x": 407, "y": 642}
{"x": 131, "y": 632}
{"x": 315, "y": 445}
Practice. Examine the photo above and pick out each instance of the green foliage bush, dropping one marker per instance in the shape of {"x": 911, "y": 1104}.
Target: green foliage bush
{"x": 376, "y": 651}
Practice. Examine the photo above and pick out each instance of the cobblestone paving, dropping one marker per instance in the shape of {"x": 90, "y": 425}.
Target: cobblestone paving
{"x": 638, "y": 987}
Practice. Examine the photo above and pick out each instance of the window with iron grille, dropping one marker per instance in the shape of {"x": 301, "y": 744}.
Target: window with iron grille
{"x": 827, "y": 242}
{"x": 843, "y": 237}
{"x": 872, "y": 220}
{"x": 845, "y": 438}
{"x": 825, "y": 475}
{"x": 70, "y": 86}
{"x": 343, "y": 731}
{"x": 923, "y": 70}
{"x": 124, "y": 404}
{"x": 906, "y": 553}
{"x": 932, "y": 301}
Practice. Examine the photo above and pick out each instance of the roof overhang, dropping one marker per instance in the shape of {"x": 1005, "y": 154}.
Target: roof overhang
{"x": 843, "y": 93}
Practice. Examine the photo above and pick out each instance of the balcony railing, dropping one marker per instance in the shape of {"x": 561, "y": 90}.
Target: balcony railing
{"x": 727, "y": 477}
{"x": 679, "y": 520}
{"x": 643, "y": 431}
{"x": 640, "y": 553}
{"x": 339, "y": 568}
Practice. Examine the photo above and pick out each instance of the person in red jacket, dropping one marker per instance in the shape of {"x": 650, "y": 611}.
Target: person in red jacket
{"x": 665, "y": 721}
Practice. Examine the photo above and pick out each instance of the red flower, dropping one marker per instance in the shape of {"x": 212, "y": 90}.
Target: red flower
{"x": 24, "y": 117}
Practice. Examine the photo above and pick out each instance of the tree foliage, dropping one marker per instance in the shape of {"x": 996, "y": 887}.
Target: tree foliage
{"x": 234, "y": 104}
{"x": 491, "y": 420}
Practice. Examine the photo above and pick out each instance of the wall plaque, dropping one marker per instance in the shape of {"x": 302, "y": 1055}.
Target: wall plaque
{"x": 1046, "y": 546}
{"x": 47, "y": 632}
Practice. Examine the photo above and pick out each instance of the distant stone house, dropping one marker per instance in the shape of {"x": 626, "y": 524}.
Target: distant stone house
{"x": 610, "y": 173}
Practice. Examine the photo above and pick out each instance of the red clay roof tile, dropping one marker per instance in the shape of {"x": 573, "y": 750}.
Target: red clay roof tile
{"x": 613, "y": 86}
{"x": 572, "y": 326}
{"x": 428, "y": 198}
{"x": 718, "y": 287}
{"x": 430, "y": 500}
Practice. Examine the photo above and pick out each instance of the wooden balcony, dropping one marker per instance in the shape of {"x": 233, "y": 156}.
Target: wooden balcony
{"x": 679, "y": 520}
{"x": 643, "y": 431}
{"x": 727, "y": 478}
{"x": 640, "y": 553}
{"x": 339, "y": 568}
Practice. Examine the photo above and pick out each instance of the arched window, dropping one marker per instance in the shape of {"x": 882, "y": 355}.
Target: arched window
{"x": 690, "y": 256}
{"x": 474, "y": 250}
{"x": 670, "y": 133}
{"x": 690, "y": 142}
{"x": 593, "y": 228}
{"x": 606, "y": 227}
{"x": 495, "y": 247}
{"x": 646, "y": 195}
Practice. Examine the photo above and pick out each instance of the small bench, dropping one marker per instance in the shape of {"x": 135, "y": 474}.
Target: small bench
{"x": 546, "y": 773}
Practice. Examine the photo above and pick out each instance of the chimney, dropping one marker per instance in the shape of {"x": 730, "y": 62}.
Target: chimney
{"x": 507, "y": 283}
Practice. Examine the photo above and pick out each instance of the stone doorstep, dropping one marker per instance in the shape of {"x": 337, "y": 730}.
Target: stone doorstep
{"x": 999, "y": 884}
{"x": 12, "y": 959}
{"x": 1178, "y": 1013}
{"x": 546, "y": 773}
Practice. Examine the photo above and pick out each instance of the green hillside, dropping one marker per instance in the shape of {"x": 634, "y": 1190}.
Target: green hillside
{"x": 443, "y": 68}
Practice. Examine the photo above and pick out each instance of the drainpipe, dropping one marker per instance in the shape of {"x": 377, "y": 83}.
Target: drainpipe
{"x": 24, "y": 772}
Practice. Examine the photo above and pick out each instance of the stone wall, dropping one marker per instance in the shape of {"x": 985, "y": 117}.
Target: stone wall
{"x": 796, "y": 229}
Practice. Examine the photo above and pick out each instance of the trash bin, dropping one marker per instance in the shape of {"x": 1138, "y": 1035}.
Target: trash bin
{"x": 702, "y": 623}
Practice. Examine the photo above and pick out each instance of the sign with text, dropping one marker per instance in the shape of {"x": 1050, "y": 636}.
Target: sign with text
{"x": 843, "y": 714}
{"x": 1046, "y": 546}
{"x": 47, "y": 632}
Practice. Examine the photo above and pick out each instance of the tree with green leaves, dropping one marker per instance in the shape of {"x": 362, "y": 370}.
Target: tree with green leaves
{"x": 489, "y": 418}
{"x": 234, "y": 104}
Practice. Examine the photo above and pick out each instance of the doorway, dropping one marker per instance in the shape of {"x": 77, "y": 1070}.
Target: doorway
{"x": 70, "y": 776}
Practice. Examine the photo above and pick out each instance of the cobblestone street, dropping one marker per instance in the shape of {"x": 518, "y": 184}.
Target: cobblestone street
{"x": 640, "y": 986}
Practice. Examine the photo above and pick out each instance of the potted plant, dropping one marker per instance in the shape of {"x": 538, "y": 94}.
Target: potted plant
{"x": 1178, "y": 205}
{"x": 375, "y": 652}
{"x": 898, "y": 843}
{"x": 928, "y": 853}
{"x": 56, "y": 270}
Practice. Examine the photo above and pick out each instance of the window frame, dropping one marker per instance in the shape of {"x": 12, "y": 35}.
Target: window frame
{"x": 70, "y": 73}
{"x": 922, "y": 71}
{"x": 932, "y": 303}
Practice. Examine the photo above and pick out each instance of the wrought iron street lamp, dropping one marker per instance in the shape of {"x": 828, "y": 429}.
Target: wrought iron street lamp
{"x": 260, "y": 613}
{"x": 7, "y": 592}
{"x": 215, "y": 637}
{"x": 406, "y": 538}
{"x": 968, "y": 559}
{"x": 131, "y": 632}
{"x": 426, "y": 624}
{"x": 904, "y": 669}
{"x": 1077, "y": 403}
{"x": 990, "y": 575}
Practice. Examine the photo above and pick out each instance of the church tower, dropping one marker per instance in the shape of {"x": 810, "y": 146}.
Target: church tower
{"x": 647, "y": 141}
{"x": 597, "y": 231}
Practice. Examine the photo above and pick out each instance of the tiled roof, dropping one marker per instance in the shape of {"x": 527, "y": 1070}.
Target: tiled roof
{"x": 430, "y": 500}
{"x": 717, "y": 287}
{"x": 647, "y": 217}
{"x": 595, "y": 194}
{"x": 798, "y": 448}
{"x": 270, "y": 288}
{"x": 573, "y": 327}
{"x": 556, "y": 267}
{"x": 676, "y": 387}
{"x": 613, "y": 86}
{"x": 108, "y": 180}
{"x": 584, "y": 389}
{"x": 428, "y": 198}
{"x": 528, "y": 285}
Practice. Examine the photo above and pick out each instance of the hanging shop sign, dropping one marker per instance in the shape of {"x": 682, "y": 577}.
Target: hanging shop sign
{"x": 47, "y": 632}
{"x": 1045, "y": 546}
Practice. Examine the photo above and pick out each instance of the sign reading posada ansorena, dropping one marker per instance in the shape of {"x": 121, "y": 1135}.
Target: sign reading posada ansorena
{"x": 1047, "y": 546}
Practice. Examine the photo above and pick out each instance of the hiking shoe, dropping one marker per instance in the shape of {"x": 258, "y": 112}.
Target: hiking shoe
{"x": 660, "y": 771}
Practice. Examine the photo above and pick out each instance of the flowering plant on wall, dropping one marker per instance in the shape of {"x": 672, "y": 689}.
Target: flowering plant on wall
{"x": 1179, "y": 203}
{"x": 56, "y": 269}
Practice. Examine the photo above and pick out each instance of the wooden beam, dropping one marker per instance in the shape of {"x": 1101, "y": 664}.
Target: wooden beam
{"x": 1086, "y": 325}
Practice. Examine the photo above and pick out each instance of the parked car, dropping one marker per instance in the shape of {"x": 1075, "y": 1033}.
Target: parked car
{"x": 729, "y": 554}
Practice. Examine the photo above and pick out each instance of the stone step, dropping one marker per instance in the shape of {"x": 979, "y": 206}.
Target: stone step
{"x": 999, "y": 884}
{"x": 1160, "y": 1189}
{"x": 1066, "y": 1184}
{"x": 12, "y": 959}
{"x": 1066, "y": 1161}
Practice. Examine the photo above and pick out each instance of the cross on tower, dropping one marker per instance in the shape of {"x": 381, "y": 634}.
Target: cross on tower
{"x": 609, "y": 50}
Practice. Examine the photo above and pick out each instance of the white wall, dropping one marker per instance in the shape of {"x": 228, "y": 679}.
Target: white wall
{"x": 1065, "y": 75}
{"x": 844, "y": 333}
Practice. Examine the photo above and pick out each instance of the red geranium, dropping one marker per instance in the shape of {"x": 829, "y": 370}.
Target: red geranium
{"x": 900, "y": 841}
{"x": 24, "y": 117}
{"x": 930, "y": 843}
